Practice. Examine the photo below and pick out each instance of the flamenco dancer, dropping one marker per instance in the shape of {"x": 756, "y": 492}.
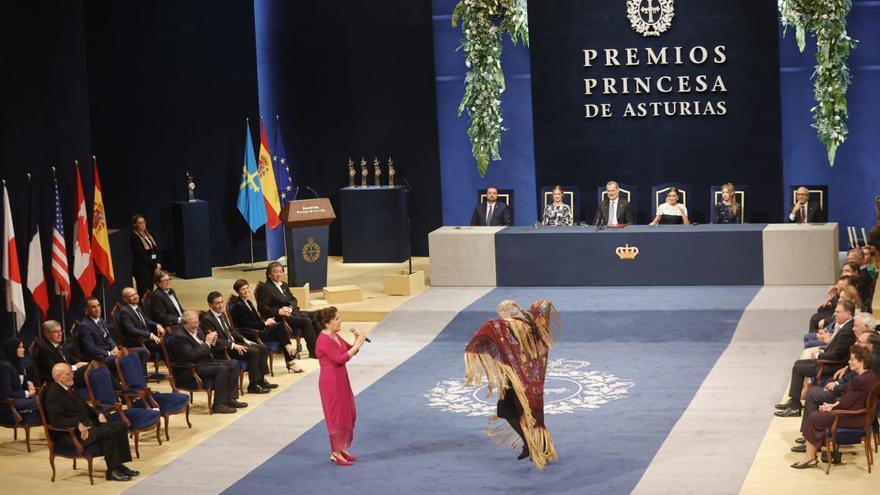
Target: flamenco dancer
{"x": 511, "y": 352}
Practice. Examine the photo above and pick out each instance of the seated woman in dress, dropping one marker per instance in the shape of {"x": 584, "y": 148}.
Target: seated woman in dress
{"x": 557, "y": 212}
{"x": 14, "y": 383}
{"x": 872, "y": 259}
{"x": 245, "y": 315}
{"x": 671, "y": 212}
{"x": 855, "y": 398}
{"x": 727, "y": 210}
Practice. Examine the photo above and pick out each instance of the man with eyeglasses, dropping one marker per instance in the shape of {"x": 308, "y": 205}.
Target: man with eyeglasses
{"x": 50, "y": 351}
{"x": 804, "y": 210}
{"x": 165, "y": 308}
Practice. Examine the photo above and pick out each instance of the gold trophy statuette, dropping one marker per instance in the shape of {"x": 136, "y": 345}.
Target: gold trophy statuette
{"x": 377, "y": 172}
{"x": 391, "y": 172}
{"x": 351, "y": 173}
{"x": 363, "y": 172}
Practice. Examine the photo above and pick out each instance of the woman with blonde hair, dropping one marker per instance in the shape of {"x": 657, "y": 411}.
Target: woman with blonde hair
{"x": 727, "y": 210}
{"x": 557, "y": 212}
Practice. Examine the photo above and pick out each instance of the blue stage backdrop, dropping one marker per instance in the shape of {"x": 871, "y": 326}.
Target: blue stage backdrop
{"x": 698, "y": 104}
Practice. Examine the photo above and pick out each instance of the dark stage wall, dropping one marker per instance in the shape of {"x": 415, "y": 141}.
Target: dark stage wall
{"x": 742, "y": 146}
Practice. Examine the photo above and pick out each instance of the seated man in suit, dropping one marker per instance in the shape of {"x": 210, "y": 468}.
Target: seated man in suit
{"x": 165, "y": 309}
{"x": 865, "y": 284}
{"x": 613, "y": 210}
{"x": 837, "y": 350}
{"x": 50, "y": 352}
{"x": 95, "y": 340}
{"x": 493, "y": 212}
{"x": 230, "y": 341}
{"x": 804, "y": 210}
{"x": 137, "y": 330}
{"x": 274, "y": 300}
{"x": 194, "y": 346}
{"x": 64, "y": 407}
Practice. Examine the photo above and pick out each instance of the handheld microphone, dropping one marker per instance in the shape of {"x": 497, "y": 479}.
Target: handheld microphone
{"x": 354, "y": 331}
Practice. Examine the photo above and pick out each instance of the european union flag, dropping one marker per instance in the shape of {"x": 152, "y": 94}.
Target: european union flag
{"x": 250, "y": 198}
{"x": 282, "y": 172}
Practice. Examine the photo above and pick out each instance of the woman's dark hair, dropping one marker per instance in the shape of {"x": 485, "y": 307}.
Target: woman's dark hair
{"x": 853, "y": 266}
{"x": 324, "y": 316}
{"x": 9, "y": 352}
{"x": 874, "y": 341}
{"x": 135, "y": 218}
{"x": 674, "y": 190}
{"x": 862, "y": 353}
{"x": 239, "y": 284}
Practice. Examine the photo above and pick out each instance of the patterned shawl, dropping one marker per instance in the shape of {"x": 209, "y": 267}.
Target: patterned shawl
{"x": 510, "y": 352}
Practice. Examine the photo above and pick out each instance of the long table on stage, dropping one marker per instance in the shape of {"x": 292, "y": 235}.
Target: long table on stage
{"x": 749, "y": 254}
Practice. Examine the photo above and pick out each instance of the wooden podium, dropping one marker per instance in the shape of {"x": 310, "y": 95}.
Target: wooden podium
{"x": 307, "y": 240}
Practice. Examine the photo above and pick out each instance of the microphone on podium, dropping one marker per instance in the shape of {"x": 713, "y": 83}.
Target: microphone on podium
{"x": 313, "y": 191}
{"x": 354, "y": 331}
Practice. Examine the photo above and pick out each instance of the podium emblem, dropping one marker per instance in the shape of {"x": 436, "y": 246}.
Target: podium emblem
{"x": 627, "y": 252}
{"x": 311, "y": 252}
{"x": 650, "y": 17}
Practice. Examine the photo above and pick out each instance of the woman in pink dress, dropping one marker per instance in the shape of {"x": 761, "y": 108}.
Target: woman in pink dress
{"x": 337, "y": 398}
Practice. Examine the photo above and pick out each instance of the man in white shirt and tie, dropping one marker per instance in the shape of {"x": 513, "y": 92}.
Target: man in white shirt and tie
{"x": 492, "y": 212}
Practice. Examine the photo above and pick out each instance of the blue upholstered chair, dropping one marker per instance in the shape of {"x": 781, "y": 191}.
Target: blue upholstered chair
{"x": 658, "y": 195}
{"x": 274, "y": 346}
{"x": 183, "y": 375}
{"x": 155, "y": 356}
{"x": 137, "y": 394}
{"x": 75, "y": 450}
{"x": 10, "y": 417}
{"x": 836, "y": 436}
{"x": 105, "y": 400}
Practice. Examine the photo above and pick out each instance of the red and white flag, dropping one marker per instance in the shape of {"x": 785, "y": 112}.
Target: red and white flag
{"x": 83, "y": 270}
{"x": 11, "y": 273}
{"x": 36, "y": 276}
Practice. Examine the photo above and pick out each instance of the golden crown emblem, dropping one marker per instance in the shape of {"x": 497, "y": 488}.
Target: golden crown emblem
{"x": 627, "y": 252}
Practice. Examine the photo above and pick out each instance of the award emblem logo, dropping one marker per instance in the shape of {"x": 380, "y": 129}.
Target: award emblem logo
{"x": 650, "y": 17}
{"x": 627, "y": 252}
{"x": 311, "y": 251}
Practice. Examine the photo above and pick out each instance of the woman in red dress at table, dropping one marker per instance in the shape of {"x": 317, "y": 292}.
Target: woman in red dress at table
{"x": 337, "y": 398}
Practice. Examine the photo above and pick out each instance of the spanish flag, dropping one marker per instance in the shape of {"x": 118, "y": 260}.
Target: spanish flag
{"x": 267, "y": 181}
{"x": 100, "y": 237}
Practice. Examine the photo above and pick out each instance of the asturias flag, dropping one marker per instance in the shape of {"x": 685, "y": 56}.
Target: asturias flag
{"x": 100, "y": 237}
{"x": 250, "y": 199}
{"x": 267, "y": 182}
{"x": 14, "y": 295}
{"x": 83, "y": 271}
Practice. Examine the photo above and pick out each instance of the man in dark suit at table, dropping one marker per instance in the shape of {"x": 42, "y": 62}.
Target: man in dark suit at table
{"x": 194, "y": 346}
{"x": 165, "y": 308}
{"x": 804, "y": 210}
{"x": 492, "y": 213}
{"x": 274, "y": 300}
{"x": 613, "y": 210}
{"x": 837, "y": 350}
{"x": 66, "y": 408}
{"x": 50, "y": 351}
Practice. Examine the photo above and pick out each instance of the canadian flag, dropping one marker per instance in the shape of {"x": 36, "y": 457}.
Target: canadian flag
{"x": 11, "y": 273}
{"x": 83, "y": 270}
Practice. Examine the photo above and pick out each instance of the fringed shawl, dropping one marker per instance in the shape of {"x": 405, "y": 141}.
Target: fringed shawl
{"x": 511, "y": 353}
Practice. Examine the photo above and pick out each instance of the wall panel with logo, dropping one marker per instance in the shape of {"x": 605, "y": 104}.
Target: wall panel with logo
{"x": 695, "y": 101}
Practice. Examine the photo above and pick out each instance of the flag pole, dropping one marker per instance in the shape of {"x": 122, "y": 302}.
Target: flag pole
{"x": 251, "y": 235}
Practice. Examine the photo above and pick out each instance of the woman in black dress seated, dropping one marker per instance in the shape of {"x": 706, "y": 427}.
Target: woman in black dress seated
{"x": 245, "y": 315}
{"x": 855, "y": 398}
{"x": 727, "y": 210}
{"x": 14, "y": 383}
{"x": 671, "y": 212}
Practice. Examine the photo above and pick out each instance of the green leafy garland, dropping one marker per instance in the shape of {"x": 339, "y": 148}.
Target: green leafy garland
{"x": 483, "y": 23}
{"x": 826, "y": 20}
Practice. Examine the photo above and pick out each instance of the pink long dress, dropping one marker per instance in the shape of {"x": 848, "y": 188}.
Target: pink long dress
{"x": 337, "y": 398}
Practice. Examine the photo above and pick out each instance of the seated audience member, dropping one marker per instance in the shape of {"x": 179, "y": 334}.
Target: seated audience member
{"x": 65, "y": 407}
{"x": 613, "y": 210}
{"x": 15, "y": 383}
{"x": 557, "y": 212}
{"x": 245, "y": 315}
{"x": 493, "y": 212}
{"x": 50, "y": 351}
{"x": 826, "y": 309}
{"x": 95, "y": 340}
{"x": 872, "y": 260}
{"x": 865, "y": 284}
{"x": 231, "y": 342}
{"x": 671, "y": 212}
{"x": 274, "y": 300}
{"x": 165, "y": 308}
{"x": 865, "y": 335}
{"x": 824, "y": 335}
{"x": 727, "y": 210}
{"x": 804, "y": 210}
{"x": 855, "y": 398}
{"x": 193, "y": 346}
{"x": 135, "y": 327}
{"x": 835, "y": 351}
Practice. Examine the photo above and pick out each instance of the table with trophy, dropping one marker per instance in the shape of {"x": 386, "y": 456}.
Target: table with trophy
{"x": 375, "y": 217}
